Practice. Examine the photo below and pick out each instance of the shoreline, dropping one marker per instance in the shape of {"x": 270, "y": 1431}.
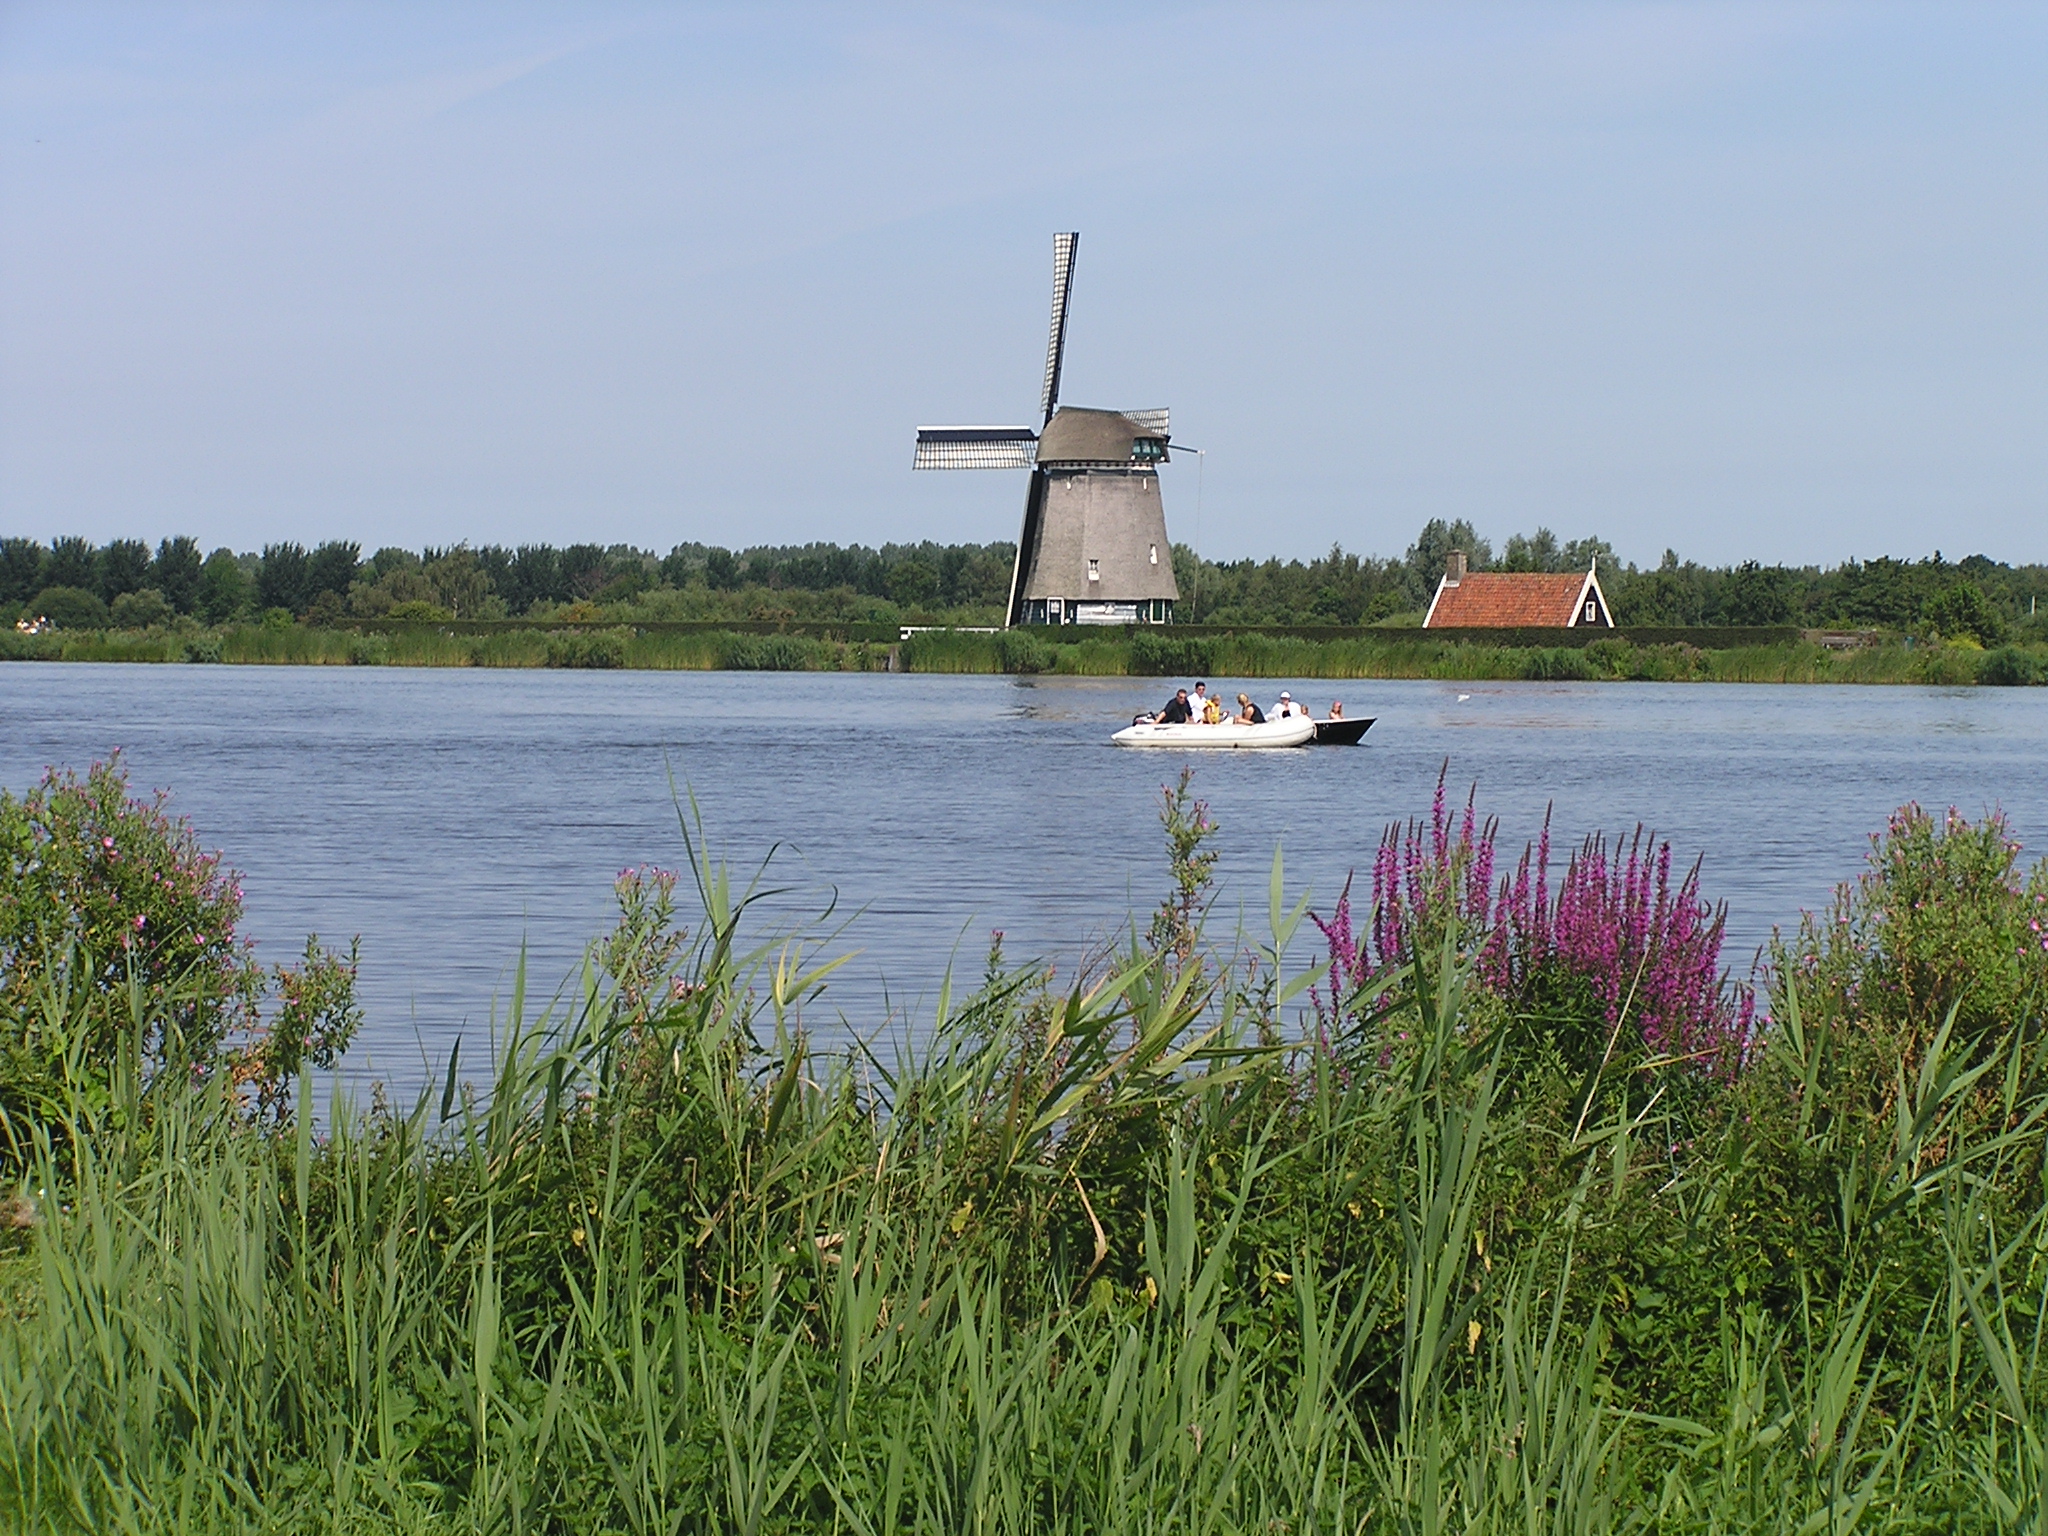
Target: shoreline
{"x": 1386, "y": 655}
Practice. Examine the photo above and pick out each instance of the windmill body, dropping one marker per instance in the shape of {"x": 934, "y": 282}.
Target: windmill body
{"x": 1093, "y": 548}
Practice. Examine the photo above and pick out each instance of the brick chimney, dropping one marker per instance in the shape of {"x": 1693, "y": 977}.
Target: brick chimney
{"x": 1454, "y": 567}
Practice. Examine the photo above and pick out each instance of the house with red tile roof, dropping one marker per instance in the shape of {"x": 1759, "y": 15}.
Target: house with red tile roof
{"x": 1516, "y": 599}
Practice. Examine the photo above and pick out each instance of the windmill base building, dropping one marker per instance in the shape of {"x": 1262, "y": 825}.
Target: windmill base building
{"x": 1093, "y": 548}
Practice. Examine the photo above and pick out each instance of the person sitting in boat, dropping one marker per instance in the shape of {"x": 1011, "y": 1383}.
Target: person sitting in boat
{"x": 1287, "y": 708}
{"x": 1336, "y": 709}
{"x": 1176, "y": 712}
{"x": 1249, "y": 713}
{"x": 1212, "y": 712}
{"x": 1199, "y": 703}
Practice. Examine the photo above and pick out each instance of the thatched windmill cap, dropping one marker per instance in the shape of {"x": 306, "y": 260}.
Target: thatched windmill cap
{"x": 1077, "y": 435}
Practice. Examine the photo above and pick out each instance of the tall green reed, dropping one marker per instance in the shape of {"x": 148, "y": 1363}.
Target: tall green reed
{"x": 670, "y": 1267}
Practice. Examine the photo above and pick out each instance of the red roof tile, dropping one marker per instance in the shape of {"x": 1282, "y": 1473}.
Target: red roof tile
{"x": 1504, "y": 600}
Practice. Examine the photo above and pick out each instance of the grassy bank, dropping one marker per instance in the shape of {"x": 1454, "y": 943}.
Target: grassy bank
{"x": 609, "y": 647}
{"x": 1410, "y": 654}
{"x": 1160, "y": 1248}
{"x": 1392, "y": 653}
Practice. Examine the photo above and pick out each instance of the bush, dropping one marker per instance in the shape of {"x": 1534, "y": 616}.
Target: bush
{"x": 69, "y": 608}
{"x": 1556, "y": 664}
{"x": 368, "y": 650}
{"x": 1022, "y": 651}
{"x": 1613, "y": 658}
{"x": 140, "y": 610}
{"x": 108, "y": 903}
{"x": 605, "y": 649}
{"x": 1941, "y": 919}
{"x": 1164, "y": 654}
{"x": 1962, "y": 612}
{"x": 768, "y": 653}
{"x": 203, "y": 648}
{"x": 418, "y": 610}
{"x": 2011, "y": 667}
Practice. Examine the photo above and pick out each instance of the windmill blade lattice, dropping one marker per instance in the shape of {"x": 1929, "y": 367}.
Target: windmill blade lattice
{"x": 1063, "y": 248}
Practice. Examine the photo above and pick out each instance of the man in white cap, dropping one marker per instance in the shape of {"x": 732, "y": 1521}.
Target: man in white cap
{"x": 1287, "y": 707}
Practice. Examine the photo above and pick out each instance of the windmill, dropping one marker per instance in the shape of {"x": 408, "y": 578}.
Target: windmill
{"x": 1093, "y": 548}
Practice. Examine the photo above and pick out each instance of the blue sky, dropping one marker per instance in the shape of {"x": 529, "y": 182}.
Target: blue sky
{"x": 1743, "y": 280}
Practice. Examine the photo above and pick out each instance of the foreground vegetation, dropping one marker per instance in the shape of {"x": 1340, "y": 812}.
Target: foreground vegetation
{"x": 1499, "y": 1207}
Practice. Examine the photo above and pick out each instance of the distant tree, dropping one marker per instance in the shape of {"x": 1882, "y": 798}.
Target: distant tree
{"x": 1960, "y": 611}
{"x": 458, "y": 583}
{"x": 1426, "y": 556}
{"x": 139, "y": 610}
{"x": 1539, "y": 551}
{"x": 495, "y": 561}
{"x": 69, "y": 608}
{"x": 1583, "y": 554}
{"x": 585, "y": 570}
{"x": 72, "y": 563}
{"x": 389, "y": 559}
{"x": 1757, "y": 594}
{"x": 533, "y": 576}
{"x": 175, "y": 572}
{"x": 913, "y": 583}
{"x": 332, "y": 568}
{"x": 224, "y": 588}
{"x": 679, "y": 565}
{"x": 123, "y": 567}
{"x": 21, "y": 569}
{"x": 721, "y": 569}
{"x": 281, "y": 579}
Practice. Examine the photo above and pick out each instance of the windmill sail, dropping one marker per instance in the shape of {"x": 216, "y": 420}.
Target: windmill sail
{"x": 976, "y": 448}
{"x": 1063, "y": 248}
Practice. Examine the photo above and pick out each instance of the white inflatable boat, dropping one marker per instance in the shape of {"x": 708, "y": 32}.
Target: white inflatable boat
{"x": 1294, "y": 731}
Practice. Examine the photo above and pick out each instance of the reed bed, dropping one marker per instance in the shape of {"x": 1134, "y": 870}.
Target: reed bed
{"x": 1156, "y": 1248}
{"x": 1396, "y": 654}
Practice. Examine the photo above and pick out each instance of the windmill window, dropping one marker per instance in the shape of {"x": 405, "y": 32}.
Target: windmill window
{"x": 1155, "y": 554}
{"x": 1148, "y": 450}
{"x": 1095, "y": 570}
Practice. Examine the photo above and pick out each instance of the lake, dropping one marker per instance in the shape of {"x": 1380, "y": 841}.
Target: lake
{"x": 450, "y": 816}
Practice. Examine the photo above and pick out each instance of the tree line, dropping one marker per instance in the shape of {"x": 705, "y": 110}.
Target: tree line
{"x": 1976, "y": 596}
{"x": 123, "y": 582}
{"x": 126, "y": 583}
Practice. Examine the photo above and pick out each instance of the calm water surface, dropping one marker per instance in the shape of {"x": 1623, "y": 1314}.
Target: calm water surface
{"x": 449, "y": 816}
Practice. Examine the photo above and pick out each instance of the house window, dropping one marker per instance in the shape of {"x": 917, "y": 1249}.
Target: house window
{"x": 1095, "y": 570}
{"x": 1592, "y": 610}
{"x": 1155, "y": 554}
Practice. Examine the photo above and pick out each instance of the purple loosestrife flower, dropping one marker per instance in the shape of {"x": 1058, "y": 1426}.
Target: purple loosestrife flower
{"x": 1644, "y": 949}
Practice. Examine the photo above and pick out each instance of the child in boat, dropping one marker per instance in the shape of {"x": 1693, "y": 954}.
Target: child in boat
{"x": 1212, "y": 713}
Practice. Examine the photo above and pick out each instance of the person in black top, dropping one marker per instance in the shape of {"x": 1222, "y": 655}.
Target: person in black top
{"x": 1176, "y": 711}
{"x": 1249, "y": 713}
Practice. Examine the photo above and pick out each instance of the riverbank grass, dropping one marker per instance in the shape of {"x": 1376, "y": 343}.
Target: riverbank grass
{"x": 1389, "y": 654}
{"x": 1436, "y": 1225}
